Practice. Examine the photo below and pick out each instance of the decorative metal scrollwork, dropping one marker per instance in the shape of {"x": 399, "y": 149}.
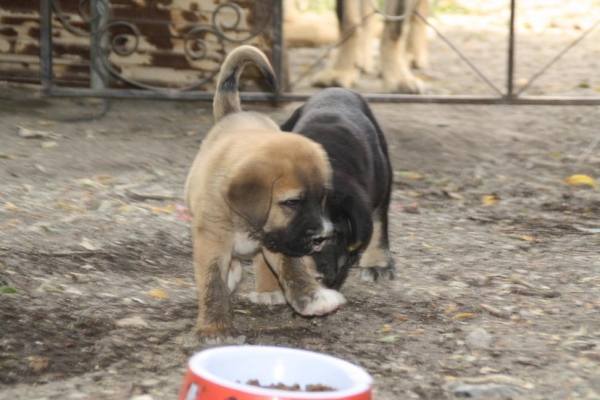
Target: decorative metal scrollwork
{"x": 123, "y": 38}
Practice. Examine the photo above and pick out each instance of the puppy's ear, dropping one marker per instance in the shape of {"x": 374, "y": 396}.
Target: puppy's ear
{"x": 288, "y": 126}
{"x": 359, "y": 217}
{"x": 249, "y": 193}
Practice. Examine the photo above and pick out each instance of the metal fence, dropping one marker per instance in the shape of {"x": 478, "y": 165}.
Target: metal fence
{"x": 101, "y": 68}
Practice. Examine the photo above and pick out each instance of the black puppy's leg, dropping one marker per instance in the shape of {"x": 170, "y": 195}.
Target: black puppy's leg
{"x": 376, "y": 261}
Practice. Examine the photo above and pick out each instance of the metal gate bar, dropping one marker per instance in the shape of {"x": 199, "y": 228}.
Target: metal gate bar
{"x": 510, "y": 97}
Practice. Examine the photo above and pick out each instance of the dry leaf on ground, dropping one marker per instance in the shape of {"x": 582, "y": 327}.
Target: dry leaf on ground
{"x": 159, "y": 293}
{"x": 581, "y": 180}
{"x": 489, "y": 200}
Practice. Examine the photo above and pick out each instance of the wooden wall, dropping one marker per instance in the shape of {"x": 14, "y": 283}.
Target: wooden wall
{"x": 159, "y": 59}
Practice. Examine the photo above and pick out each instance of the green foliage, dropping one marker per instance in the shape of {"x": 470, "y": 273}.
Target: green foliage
{"x": 449, "y": 7}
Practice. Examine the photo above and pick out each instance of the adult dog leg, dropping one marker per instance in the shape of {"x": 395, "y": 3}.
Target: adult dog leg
{"x": 376, "y": 261}
{"x": 417, "y": 38}
{"x": 266, "y": 286}
{"x": 395, "y": 61}
{"x": 365, "y": 61}
{"x": 343, "y": 72}
{"x": 211, "y": 265}
{"x": 301, "y": 289}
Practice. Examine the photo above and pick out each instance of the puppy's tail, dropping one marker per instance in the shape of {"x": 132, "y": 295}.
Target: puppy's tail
{"x": 227, "y": 98}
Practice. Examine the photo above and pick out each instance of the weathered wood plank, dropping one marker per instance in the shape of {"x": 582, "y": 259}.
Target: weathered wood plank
{"x": 159, "y": 58}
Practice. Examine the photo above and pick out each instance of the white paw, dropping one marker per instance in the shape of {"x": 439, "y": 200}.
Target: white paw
{"x": 333, "y": 77}
{"x": 269, "y": 298}
{"x": 235, "y": 274}
{"x": 323, "y": 301}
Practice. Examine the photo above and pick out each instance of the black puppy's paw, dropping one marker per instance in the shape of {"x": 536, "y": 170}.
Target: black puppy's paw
{"x": 372, "y": 274}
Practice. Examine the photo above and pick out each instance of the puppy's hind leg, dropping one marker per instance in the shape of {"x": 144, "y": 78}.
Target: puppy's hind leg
{"x": 234, "y": 276}
{"x": 376, "y": 261}
{"x": 266, "y": 286}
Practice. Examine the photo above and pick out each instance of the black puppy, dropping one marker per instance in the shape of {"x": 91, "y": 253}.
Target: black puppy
{"x": 341, "y": 121}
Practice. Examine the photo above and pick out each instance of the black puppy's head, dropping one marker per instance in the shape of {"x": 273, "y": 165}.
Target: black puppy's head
{"x": 352, "y": 230}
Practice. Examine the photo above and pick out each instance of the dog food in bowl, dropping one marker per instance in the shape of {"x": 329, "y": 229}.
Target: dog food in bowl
{"x": 294, "y": 388}
{"x": 272, "y": 373}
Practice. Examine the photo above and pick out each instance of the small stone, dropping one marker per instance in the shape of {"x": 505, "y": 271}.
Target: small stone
{"x": 142, "y": 397}
{"x": 509, "y": 247}
{"x": 49, "y": 145}
{"x": 458, "y": 284}
{"x": 149, "y": 383}
{"x": 77, "y": 395}
{"x": 136, "y": 321}
{"x": 479, "y": 339}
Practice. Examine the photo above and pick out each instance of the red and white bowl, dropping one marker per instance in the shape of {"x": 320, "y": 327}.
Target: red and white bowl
{"x": 221, "y": 373}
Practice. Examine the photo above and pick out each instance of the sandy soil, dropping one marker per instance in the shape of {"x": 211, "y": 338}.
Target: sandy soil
{"x": 498, "y": 286}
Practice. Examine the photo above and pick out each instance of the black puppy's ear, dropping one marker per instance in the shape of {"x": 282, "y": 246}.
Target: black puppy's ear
{"x": 288, "y": 126}
{"x": 361, "y": 222}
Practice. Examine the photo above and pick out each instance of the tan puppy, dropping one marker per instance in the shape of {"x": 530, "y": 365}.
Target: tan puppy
{"x": 254, "y": 191}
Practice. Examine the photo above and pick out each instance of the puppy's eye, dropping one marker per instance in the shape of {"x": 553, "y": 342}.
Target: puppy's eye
{"x": 292, "y": 203}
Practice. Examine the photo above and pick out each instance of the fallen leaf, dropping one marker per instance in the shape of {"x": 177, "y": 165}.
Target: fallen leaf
{"x": 46, "y": 123}
{"x": 33, "y": 134}
{"x": 125, "y": 208}
{"x": 246, "y": 312}
{"x": 527, "y": 238}
{"x": 413, "y": 194}
{"x": 85, "y": 243}
{"x": 165, "y": 210}
{"x": 38, "y": 364}
{"x": 8, "y": 206}
{"x": 417, "y": 332}
{"x": 411, "y": 175}
{"x": 465, "y": 315}
{"x": 588, "y": 230}
{"x": 453, "y": 195}
{"x": 191, "y": 133}
{"x": 450, "y": 308}
{"x": 182, "y": 282}
{"x": 385, "y": 329}
{"x": 400, "y": 318}
{"x": 66, "y": 206}
{"x": 389, "y": 339}
{"x": 87, "y": 182}
{"x": 580, "y": 180}
{"x": 49, "y": 145}
{"x": 489, "y": 200}
{"x": 161, "y": 294}
{"x": 8, "y": 290}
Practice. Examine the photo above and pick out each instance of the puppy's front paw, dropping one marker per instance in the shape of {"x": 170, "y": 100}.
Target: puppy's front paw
{"x": 213, "y": 334}
{"x": 319, "y": 302}
{"x": 372, "y": 274}
{"x": 268, "y": 298}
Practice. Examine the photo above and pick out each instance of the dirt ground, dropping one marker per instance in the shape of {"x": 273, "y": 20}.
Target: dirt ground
{"x": 498, "y": 271}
